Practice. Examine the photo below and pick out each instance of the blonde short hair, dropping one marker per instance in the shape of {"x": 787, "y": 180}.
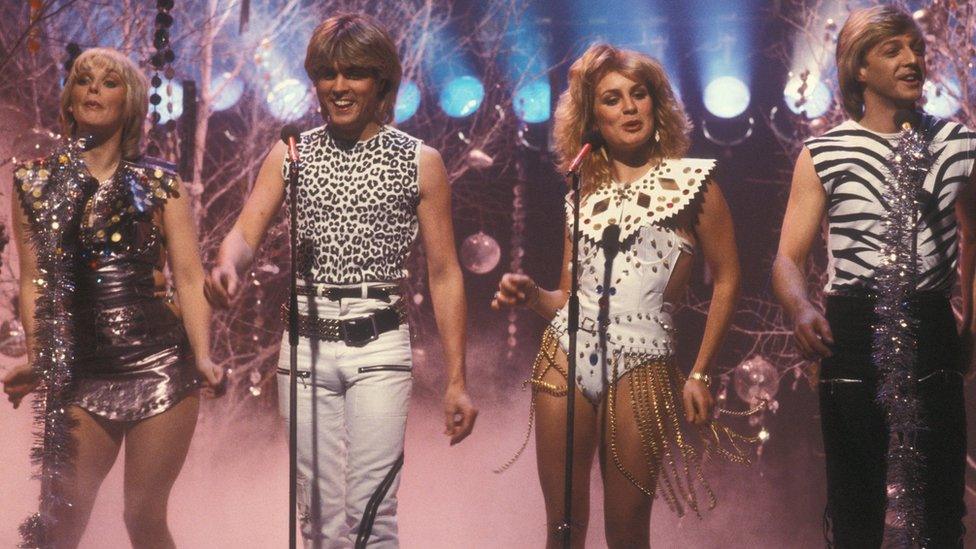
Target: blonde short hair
{"x": 575, "y": 116}
{"x": 864, "y": 29}
{"x": 355, "y": 40}
{"x": 136, "y": 95}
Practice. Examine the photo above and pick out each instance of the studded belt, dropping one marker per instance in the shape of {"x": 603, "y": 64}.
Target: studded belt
{"x": 332, "y": 293}
{"x": 355, "y": 331}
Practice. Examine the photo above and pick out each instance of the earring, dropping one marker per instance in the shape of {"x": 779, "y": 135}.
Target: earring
{"x": 657, "y": 136}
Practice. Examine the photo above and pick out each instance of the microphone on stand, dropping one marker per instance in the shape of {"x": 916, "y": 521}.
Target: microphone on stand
{"x": 592, "y": 141}
{"x": 290, "y": 134}
{"x": 610, "y": 243}
{"x": 907, "y": 120}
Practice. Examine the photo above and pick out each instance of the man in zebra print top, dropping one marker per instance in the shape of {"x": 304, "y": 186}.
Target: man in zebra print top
{"x": 838, "y": 184}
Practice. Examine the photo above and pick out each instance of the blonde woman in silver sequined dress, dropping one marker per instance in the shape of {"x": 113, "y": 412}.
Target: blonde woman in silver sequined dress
{"x": 95, "y": 227}
{"x": 634, "y": 406}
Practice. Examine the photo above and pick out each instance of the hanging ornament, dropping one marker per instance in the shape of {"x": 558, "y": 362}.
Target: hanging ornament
{"x": 518, "y": 251}
{"x": 756, "y": 380}
{"x": 480, "y": 253}
{"x": 160, "y": 61}
{"x": 34, "y": 35}
{"x": 13, "y": 342}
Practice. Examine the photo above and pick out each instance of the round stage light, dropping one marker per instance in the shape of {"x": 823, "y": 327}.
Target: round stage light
{"x": 817, "y": 98}
{"x": 726, "y": 97}
{"x": 940, "y": 98}
{"x": 229, "y": 95}
{"x": 289, "y": 100}
{"x": 407, "y": 102}
{"x": 171, "y": 106}
{"x": 532, "y": 101}
{"x": 462, "y": 96}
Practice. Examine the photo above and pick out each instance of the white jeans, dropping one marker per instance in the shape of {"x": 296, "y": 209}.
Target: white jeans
{"x": 352, "y": 414}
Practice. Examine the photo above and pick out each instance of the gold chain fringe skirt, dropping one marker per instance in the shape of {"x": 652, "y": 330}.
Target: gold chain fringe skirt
{"x": 670, "y": 456}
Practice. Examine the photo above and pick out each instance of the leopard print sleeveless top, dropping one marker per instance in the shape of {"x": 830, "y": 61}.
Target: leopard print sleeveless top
{"x": 357, "y": 206}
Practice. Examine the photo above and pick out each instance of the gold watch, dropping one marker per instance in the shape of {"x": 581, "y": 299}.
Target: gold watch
{"x": 704, "y": 378}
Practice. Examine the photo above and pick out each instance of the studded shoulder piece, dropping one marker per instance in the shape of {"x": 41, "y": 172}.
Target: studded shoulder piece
{"x": 660, "y": 195}
{"x": 51, "y": 191}
{"x": 135, "y": 194}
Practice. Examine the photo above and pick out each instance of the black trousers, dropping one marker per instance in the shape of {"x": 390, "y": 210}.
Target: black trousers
{"x": 856, "y": 436}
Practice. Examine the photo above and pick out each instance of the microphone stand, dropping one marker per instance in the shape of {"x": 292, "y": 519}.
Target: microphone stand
{"x": 572, "y": 329}
{"x": 293, "y": 168}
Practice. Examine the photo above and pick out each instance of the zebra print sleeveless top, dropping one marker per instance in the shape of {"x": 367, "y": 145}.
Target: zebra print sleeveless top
{"x": 852, "y": 163}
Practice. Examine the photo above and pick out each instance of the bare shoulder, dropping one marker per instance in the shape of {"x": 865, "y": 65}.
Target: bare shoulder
{"x": 432, "y": 173}
{"x": 277, "y": 152}
{"x": 430, "y": 158}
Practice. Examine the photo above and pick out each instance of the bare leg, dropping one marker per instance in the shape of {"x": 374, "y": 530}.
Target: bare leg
{"x": 550, "y": 437}
{"x": 97, "y": 442}
{"x": 155, "y": 449}
{"x": 627, "y": 509}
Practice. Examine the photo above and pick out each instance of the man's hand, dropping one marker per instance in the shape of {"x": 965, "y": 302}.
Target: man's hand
{"x": 221, "y": 285}
{"x": 18, "y": 382}
{"x": 813, "y": 335}
{"x": 459, "y": 414}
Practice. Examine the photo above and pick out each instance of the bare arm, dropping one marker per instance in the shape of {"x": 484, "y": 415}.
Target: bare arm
{"x": 188, "y": 276}
{"x": 716, "y": 235}
{"x": 237, "y": 249}
{"x": 20, "y": 380}
{"x": 966, "y": 213}
{"x": 446, "y": 288}
{"x": 518, "y": 289}
{"x": 801, "y": 223}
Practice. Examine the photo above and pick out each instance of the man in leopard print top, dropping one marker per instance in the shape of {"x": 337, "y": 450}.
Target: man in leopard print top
{"x": 365, "y": 191}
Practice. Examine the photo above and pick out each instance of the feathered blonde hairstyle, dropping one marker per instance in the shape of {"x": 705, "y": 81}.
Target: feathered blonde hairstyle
{"x": 863, "y": 30}
{"x": 136, "y": 95}
{"x": 575, "y": 110}
{"x": 356, "y": 40}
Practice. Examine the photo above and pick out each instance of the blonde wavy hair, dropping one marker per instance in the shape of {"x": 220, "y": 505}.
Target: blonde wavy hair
{"x": 575, "y": 110}
{"x": 864, "y": 29}
{"x": 136, "y": 95}
{"x": 356, "y": 40}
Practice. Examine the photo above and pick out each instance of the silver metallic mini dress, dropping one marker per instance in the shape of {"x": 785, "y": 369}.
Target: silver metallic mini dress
{"x": 132, "y": 357}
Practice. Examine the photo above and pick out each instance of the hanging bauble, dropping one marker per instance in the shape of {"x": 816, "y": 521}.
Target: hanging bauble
{"x": 480, "y": 253}
{"x": 756, "y": 380}
{"x": 13, "y": 343}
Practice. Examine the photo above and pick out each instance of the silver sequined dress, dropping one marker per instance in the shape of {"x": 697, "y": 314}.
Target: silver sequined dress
{"x": 133, "y": 359}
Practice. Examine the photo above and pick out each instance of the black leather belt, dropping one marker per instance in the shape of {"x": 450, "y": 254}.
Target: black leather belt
{"x": 335, "y": 294}
{"x": 355, "y": 332}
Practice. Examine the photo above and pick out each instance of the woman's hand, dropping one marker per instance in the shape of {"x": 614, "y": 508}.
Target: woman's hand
{"x": 18, "y": 382}
{"x": 698, "y": 401}
{"x": 213, "y": 377}
{"x": 515, "y": 290}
